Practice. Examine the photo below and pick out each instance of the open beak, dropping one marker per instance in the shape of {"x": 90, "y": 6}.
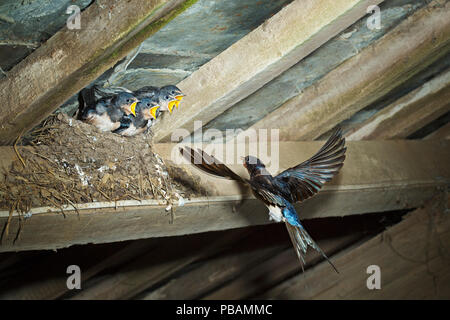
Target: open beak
{"x": 179, "y": 97}
{"x": 133, "y": 108}
{"x": 172, "y": 104}
{"x": 153, "y": 111}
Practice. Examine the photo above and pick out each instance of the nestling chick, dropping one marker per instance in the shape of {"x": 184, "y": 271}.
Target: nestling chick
{"x": 147, "y": 110}
{"x": 106, "y": 113}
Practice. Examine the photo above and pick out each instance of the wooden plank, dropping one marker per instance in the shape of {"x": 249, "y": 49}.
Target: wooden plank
{"x": 377, "y": 176}
{"x": 48, "y": 281}
{"x": 312, "y": 68}
{"x": 409, "y": 113}
{"x": 52, "y": 281}
{"x": 73, "y": 58}
{"x": 244, "y": 255}
{"x": 280, "y": 42}
{"x": 275, "y": 269}
{"x": 403, "y": 52}
{"x": 158, "y": 264}
{"x": 411, "y": 256}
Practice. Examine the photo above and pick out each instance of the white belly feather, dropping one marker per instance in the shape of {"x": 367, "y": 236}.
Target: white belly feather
{"x": 275, "y": 213}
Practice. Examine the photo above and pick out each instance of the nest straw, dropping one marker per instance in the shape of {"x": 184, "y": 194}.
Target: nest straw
{"x": 67, "y": 162}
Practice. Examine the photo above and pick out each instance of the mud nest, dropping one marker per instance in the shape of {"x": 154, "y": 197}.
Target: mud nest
{"x": 67, "y": 162}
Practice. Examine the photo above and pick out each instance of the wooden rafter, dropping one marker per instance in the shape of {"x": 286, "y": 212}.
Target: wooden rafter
{"x": 280, "y": 265}
{"x": 417, "y": 247}
{"x": 409, "y": 113}
{"x": 72, "y": 59}
{"x": 143, "y": 272}
{"x": 280, "y": 42}
{"x": 404, "y": 51}
{"x": 377, "y": 176}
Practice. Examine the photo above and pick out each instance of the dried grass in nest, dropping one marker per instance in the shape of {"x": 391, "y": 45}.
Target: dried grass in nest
{"x": 69, "y": 162}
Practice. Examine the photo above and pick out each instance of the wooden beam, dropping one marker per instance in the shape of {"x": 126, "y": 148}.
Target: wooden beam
{"x": 280, "y": 42}
{"x": 244, "y": 254}
{"x": 377, "y": 176}
{"x": 48, "y": 282}
{"x": 417, "y": 248}
{"x": 158, "y": 264}
{"x": 280, "y": 266}
{"x": 73, "y": 58}
{"x": 407, "y": 49}
{"x": 409, "y": 113}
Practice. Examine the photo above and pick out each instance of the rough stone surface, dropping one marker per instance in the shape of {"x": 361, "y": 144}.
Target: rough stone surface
{"x": 190, "y": 40}
{"x": 24, "y": 25}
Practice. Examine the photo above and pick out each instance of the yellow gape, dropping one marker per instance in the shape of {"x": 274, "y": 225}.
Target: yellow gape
{"x": 172, "y": 104}
{"x": 153, "y": 111}
{"x": 133, "y": 108}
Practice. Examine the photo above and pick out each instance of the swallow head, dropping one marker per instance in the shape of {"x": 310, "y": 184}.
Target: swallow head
{"x": 127, "y": 102}
{"x": 149, "y": 108}
{"x": 253, "y": 164}
{"x": 171, "y": 95}
{"x": 172, "y": 90}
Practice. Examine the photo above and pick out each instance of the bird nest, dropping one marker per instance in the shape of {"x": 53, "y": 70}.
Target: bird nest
{"x": 67, "y": 162}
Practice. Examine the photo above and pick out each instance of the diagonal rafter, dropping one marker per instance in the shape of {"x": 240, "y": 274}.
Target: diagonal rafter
{"x": 280, "y": 42}
{"x": 416, "y": 247}
{"x": 409, "y": 113}
{"x": 403, "y": 52}
{"x": 72, "y": 59}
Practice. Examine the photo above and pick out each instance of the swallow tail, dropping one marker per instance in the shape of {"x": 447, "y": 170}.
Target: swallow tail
{"x": 301, "y": 240}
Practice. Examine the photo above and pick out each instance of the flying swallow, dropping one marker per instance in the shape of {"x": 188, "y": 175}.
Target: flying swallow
{"x": 105, "y": 113}
{"x": 147, "y": 110}
{"x": 279, "y": 193}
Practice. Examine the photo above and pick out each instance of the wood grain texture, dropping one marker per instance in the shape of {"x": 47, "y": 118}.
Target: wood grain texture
{"x": 412, "y": 256}
{"x": 403, "y": 52}
{"x": 280, "y": 42}
{"x": 275, "y": 269}
{"x": 157, "y": 264}
{"x": 71, "y": 59}
{"x": 377, "y": 176}
{"x": 409, "y": 113}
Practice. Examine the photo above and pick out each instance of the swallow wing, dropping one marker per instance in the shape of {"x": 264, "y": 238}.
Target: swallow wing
{"x": 306, "y": 179}
{"x": 125, "y": 123}
{"x": 209, "y": 164}
{"x": 146, "y": 92}
{"x": 106, "y": 92}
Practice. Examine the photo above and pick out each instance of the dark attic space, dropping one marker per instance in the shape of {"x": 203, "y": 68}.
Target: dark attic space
{"x": 224, "y": 150}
